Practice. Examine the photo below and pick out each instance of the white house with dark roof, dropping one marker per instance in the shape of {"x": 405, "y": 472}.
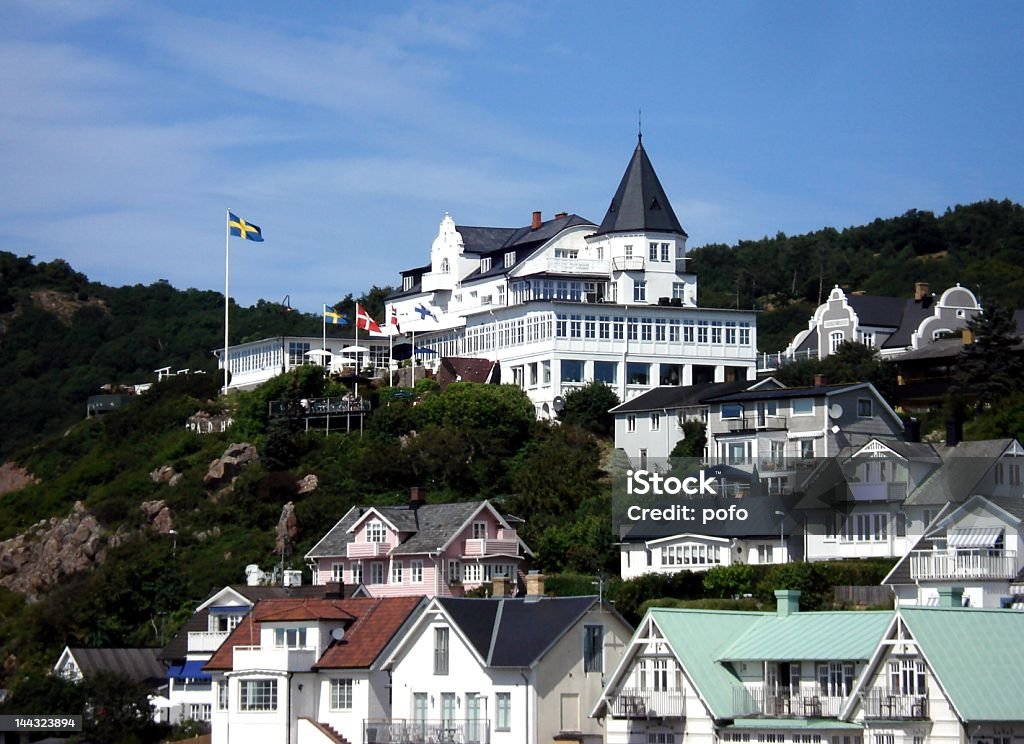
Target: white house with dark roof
{"x": 893, "y": 325}
{"x": 419, "y": 549}
{"x": 563, "y": 301}
{"x": 503, "y": 671}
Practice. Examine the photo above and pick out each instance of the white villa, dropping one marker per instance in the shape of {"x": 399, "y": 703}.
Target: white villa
{"x": 563, "y": 301}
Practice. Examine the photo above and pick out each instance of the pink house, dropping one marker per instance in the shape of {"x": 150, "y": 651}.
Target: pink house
{"x": 419, "y": 549}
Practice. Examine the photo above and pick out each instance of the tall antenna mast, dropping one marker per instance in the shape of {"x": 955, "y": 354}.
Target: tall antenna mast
{"x": 639, "y": 125}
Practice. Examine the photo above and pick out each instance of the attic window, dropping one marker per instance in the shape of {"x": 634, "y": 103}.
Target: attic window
{"x": 510, "y": 259}
{"x": 485, "y": 264}
{"x": 407, "y": 282}
{"x": 375, "y": 532}
{"x": 655, "y": 206}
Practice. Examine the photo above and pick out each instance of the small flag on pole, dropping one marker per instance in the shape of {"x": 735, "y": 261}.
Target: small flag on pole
{"x": 334, "y": 318}
{"x": 364, "y": 321}
{"x": 425, "y": 312}
{"x": 242, "y": 229}
{"x": 394, "y": 320}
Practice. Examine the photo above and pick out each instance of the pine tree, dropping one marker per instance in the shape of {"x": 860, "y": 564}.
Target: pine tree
{"x": 990, "y": 369}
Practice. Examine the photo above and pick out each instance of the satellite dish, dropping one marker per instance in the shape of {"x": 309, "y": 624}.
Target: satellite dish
{"x": 338, "y": 633}
{"x": 558, "y": 403}
{"x": 835, "y": 411}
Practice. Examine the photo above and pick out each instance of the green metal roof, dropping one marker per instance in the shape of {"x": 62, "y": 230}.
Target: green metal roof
{"x": 811, "y": 636}
{"x": 792, "y": 724}
{"x": 697, "y": 637}
{"x": 978, "y": 656}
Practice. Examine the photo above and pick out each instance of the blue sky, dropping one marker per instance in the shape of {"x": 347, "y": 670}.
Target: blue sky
{"x": 347, "y": 130}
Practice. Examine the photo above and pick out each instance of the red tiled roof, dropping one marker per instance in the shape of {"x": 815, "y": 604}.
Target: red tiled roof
{"x": 371, "y": 623}
{"x": 465, "y": 369}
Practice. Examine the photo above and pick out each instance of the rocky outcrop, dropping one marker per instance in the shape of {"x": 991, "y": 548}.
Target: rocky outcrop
{"x": 308, "y": 484}
{"x": 225, "y": 469}
{"x": 34, "y": 561}
{"x": 166, "y": 474}
{"x": 287, "y": 529}
{"x": 14, "y": 478}
{"x": 158, "y": 514}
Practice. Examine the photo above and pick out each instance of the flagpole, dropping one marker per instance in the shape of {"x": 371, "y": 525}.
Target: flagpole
{"x": 357, "y": 353}
{"x": 324, "y": 347}
{"x": 413, "y": 357}
{"x": 227, "y": 269}
{"x": 391, "y": 352}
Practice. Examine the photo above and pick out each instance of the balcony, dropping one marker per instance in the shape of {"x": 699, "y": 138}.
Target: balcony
{"x": 367, "y": 549}
{"x": 276, "y": 659}
{"x": 577, "y": 266}
{"x": 632, "y": 263}
{"x": 506, "y": 543}
{"x": 749, "y": 422}
{"x": 786, "y": 702}
{"x": 408, "y": 731}
{"x": 435, "y": 280}
{"x": 637, "y": 703}
{"x": 204, "y": 641}
{"x": 963, "y": 564}
{"x": 887, "y": 705}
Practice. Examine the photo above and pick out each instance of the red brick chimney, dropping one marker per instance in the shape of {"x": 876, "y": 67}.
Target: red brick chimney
{"x": 417, "y": 497}
{"x": 921, "y": 290}
{"x": 536, "y": 221}
{"x": 819, "y": 380}
{"x": 561, "y": 215}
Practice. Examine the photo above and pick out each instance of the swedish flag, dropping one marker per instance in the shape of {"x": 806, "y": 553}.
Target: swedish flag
{"x": 242, "y": 229}
{"x": 334, "y": 318}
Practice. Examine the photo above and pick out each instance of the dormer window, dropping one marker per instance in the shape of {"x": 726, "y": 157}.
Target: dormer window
{"x": 289, "y": 637}
{"x": 407, "y": 282}
{"x": 375, "y": 532}
{"x": 510, "y": 259}
{"x": 485, "y": 265}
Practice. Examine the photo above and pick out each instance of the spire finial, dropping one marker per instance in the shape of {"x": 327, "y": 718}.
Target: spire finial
{"x": 639, "y": 125}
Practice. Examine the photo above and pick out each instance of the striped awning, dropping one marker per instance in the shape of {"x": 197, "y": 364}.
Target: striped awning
{"x": 975, "y": 537}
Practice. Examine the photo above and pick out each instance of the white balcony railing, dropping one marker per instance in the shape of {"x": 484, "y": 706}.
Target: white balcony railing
{"x": 633, "y": 263}
{"x": 206, "y": 640}
{"x": 807, "y": 701}
{"x": 963, "y": 564}
{"x": 433, "y": 280}
{"x": 277, "y": 659}
{"x": 749, "y": 422}
{"x": 366, "y": 549}
{"x": 637, "y": 703}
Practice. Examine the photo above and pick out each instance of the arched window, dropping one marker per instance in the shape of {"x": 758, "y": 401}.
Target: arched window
{"x": 445, "y": 268}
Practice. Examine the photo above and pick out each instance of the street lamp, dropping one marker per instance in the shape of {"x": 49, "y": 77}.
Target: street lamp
{"x": 782, "y": 537}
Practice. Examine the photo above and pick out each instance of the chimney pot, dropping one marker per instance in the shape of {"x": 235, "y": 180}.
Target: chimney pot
{"x": 334, "y": 590}
{"x": 499, "y": 586}
{"x": 951, "y": 596}
{"x": 536, "y": 221}
{"x": 921, "y": 290}
{"x": 561, "y": 215}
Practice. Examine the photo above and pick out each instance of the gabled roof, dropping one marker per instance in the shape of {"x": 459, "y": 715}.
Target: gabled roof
{"x": 678, "y": 396}
{"x": 138, "y": 664}
{"x": 466, "y": 369}
{"x": 514, "y": 632}
{"x": 822, "y": 636}
{"x": 640, "y": 203}
{"x": 370, "y": 624}
{"x": 811, "y": 391}
{"x": 431, "y": 526}
{"x": 978, "y": 656}
{"x": 963, "y": 467}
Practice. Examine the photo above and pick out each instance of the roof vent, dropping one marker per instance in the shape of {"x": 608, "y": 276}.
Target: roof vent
{"x": 655, "y": 206}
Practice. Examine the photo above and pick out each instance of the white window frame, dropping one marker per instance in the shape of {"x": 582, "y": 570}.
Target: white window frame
{"x": 793, "y": 406}
{"x": 342, "y": 693}
{"x": 397, "y": 572}
{"x": 415, "y": 572}
{"x": 258, "y": 695}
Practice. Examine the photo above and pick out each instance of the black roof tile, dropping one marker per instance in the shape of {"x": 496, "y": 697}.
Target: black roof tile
{"x": 640, "y": 203}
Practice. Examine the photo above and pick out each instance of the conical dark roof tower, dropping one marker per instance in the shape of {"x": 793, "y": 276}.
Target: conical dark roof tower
{"x": 640, "y": 203}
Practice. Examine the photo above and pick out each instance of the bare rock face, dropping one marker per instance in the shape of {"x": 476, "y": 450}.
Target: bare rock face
{"x": 287, "y": 529}
{"x": 158, "y": 514}
{"x": 308, "y": 484}
{"x": 14, "y": 478}
{"x": 226, "y": 468}
{"x": 166, "y": 474}
{"x": 34, "y": 561}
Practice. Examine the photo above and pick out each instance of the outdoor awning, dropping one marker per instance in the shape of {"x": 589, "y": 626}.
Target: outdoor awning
{"x": 975, "y": 537}
{"x": 188, "y": 670}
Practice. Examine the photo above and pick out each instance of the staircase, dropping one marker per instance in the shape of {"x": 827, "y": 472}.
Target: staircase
{"x": 328, "y": 734}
